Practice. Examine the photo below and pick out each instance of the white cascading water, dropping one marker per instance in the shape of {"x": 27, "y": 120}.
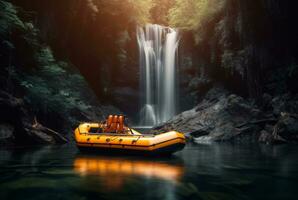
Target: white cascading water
{"x": 158, "y": 46}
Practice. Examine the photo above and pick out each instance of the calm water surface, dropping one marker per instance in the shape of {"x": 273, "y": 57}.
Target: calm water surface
{"x": 198, "y": 172}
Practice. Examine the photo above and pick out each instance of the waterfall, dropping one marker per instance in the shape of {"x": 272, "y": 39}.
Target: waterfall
{"x": 158, "y": 47}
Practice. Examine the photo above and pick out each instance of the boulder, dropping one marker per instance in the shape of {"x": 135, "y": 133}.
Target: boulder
{"x": 6, "y": 133}
{"x": 286, "y": 103}
{"x": 20, "y": 127}
{"x": 220, "y": 116}
{"x": 42, "y": 134}
{"x": 286, "y": 129}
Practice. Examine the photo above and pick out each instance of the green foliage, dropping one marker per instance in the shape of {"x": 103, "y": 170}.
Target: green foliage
{"x": 49, "y": 85}
{"x": 137, "y": 11}
{"x": 53, "y": 87}
{"x": 142, "y": 9}
{"x": 8, "y": 18}
{"x": 194, "y": 14}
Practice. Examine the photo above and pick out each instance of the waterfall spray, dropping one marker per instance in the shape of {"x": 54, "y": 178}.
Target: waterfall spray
{"x": 157, "y": 49}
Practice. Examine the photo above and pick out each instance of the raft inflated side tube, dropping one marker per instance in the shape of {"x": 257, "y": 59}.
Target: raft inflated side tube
{"x": 125, "y": 142}
{"x": 117, "y": 137}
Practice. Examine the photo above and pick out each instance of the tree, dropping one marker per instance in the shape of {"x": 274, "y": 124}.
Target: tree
{"x": 192, "y": 15}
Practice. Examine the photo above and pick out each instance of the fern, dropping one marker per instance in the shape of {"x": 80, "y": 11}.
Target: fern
{"x": 8, "y": 18}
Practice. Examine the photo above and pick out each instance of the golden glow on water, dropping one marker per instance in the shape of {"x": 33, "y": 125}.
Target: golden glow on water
{"x": 116, "y": 170}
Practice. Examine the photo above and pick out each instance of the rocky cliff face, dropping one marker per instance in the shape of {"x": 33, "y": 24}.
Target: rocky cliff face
{"x": 39, "y": 94}
{"x": 249, "y": 46}
{"x": 222, "y": 116}
{"x": 99, "y": 38}
{"x": 19, "y": 127}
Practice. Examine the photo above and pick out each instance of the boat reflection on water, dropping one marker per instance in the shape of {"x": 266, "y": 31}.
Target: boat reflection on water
{"x": 114, "y": 171}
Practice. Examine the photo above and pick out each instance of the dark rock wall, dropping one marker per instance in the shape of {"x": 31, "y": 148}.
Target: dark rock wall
{"x": 100, "y": 40}
{"x": 36, "y": 88}
{"x": 250, "y": 47}
{"x": 225, "y": 117}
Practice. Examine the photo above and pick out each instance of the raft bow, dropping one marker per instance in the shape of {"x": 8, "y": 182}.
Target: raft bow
{"x": 112, "y": 136}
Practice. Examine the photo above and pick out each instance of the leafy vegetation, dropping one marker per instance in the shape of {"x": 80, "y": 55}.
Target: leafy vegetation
{"x": 50, "y": 87}
{"x": 235, "y": 42}
{"x": 8, "y": 18}
{"x": 54, "y": 87}
{"x": 193, "y": 15}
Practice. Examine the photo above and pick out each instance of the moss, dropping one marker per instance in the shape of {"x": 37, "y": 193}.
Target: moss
{"x": 49, "y": 86}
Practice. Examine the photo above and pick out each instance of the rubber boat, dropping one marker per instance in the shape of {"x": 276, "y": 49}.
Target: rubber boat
{"x": 112, "y": 136}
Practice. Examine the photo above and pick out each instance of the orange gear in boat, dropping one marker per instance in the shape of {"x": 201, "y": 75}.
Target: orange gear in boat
{"x": 116, "y": 137}
{"x": 120, "y": 127}
{"x": 114, "y": 124}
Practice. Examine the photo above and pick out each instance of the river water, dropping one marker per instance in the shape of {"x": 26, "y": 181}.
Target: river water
{"x": 217, "y": 171}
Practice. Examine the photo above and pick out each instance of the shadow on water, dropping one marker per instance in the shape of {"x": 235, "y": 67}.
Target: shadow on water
{"x": 198, "y": 172}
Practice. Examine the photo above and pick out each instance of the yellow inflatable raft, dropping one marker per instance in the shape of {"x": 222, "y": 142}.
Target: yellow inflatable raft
{"x": 113, "y": 136}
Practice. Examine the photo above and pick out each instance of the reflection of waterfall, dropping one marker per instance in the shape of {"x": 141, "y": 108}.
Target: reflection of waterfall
{"x": 158, "y": 48}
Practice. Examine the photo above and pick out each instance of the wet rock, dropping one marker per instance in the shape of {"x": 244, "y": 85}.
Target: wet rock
{"x": 266, "y": 137}
{"x": 45, "y": 135}
{"x": 126, "y": 98}
{"x": 290, "y": 123}
{"x": 199, "y": 133}
{"x": 285, "y": 103}
{"x": 200, "y": 84}
{"x": 220, "y": 117}
{"x": 6, "y": 134}
{"x": 266, "y": 102}
{"x": 286, "y": 129}
{"x": 203, "y": 140}
{"x": 22, "y": 127}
